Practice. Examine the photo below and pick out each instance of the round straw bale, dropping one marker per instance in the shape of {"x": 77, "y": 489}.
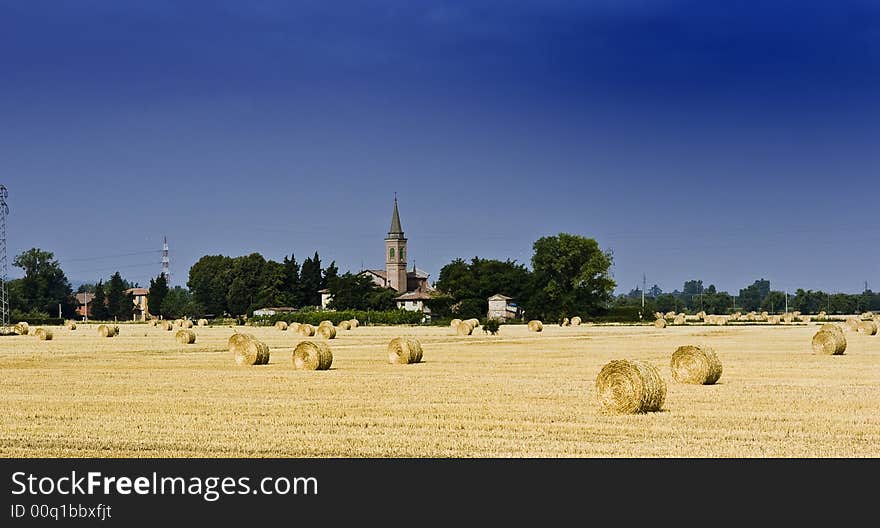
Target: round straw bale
{"x": 829, "y": 342}
{"x": 806, "y": 319}
{"x": 658, "y": 315}
{"x": 736, "y": 316}
{"x": 701, "y": 315}
{"x": 868, "y": 316}
{"x": 868, "y": 327}
{"x": 281, "y": 325}
{"x": 788, "y": 318}
{"x": 312, "y": 355}
{"x": 576, "y": 321}
{"x": 660, "y": 323}
{"x": 535, "y": 326}
{"x": 186, "y": 323}
{"x": 248, "y": 350}
{"x": 474, "y": 322}
{"x": 203, "y": 322}
{"x": 71, "y": 325}
{"x": 831, "y": 327}
{"x": 679, "y": 320}
{"x": 327, "y": 332}
{"x": 106, "y": 330}
{"x": 115, "y": 330}
{"x": 326, "y": 322}
{"x": 821, "y": 315}
{"x": 629, "y": 387}
{"x": 43, "y": 334}
{"x": 796, "y": 314}
{"x": 344, "y": 325}
{"x": 167, "y": 325}
{"x": 306, "y": 330}
{"x": 178, "y": 322}
{"x": 454, "y": 323}
{"x": 185, "y": 336}
{"x": 293, "y": 327}
{"x": 354, "y": 323}
{"x": 773, "y": 319}
{"x": 697, "y": 365}
{"x": 464, "y": 329}
{"x": 404, "y": 350}
{"x": 670, "y": 315}
{"x": 21, "y": 328}
{"x": 153, "y": 322}
{"x": 852, "y": 324}
{"x": 566, "y": 322}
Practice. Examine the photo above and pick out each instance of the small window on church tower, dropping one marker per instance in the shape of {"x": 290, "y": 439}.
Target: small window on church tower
{"x": 402, "y": 254}
{"x": 391, "y": 253}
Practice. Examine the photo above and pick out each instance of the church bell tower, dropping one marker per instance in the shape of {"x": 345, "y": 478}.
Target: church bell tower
{"x": 395, "y": 253}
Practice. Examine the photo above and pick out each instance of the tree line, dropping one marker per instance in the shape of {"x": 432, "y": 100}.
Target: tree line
{"x": 757, "y": 297}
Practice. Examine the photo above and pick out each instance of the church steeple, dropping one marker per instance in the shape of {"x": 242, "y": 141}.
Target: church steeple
{"x": 396, "y": 231}
{"x": 395, "y": 253}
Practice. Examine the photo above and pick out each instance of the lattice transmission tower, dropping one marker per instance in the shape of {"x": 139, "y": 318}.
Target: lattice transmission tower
{"x": 4, "y": 292}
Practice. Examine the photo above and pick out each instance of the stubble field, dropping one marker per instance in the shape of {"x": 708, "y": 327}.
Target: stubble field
{"x": 518, "y": 394}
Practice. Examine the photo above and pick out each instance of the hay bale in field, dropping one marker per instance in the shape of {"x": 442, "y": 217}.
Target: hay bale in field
{"x": 178, "y": 322}
{"x": 788, "y": 318}
{"x": 475, "y": 323}
{"x": 306, "y": 330}
{"x": 293, "y": 327}
{"x": 312, "y": 355}
{"x": 354, "y": 323}
{"x": 187, "y": 323}
{"x": 773, "y": 319}
{"x": 630, "y": 387}
{"x": 670, "y": 316}
{"x": 167, "y": 326}
{"x": 660, "y": 323}
{"x": 565, "y": 322}
{"x": 736, "y": 316}
{"x": 868, "y": 328}
{"x": 202, "y": 322}
{"x": 21, "y": 328}
{"x": 697, "y": 365}
{"x": 868, "y": 316}
{"x": 248, "y": 350}
{"x": 185, "y": 336}
{"x": 796, "y": 314}
{"x": 281, "y": 325}
{"x": 464, "y": 329}
{"x": 822, "y": 314}
{"x": 153, "y": 322}
{"x": 404, "y": 350}
{"x": 325, "y": 322}
{"x": 106, "y": 330}
{"x": 680, "y": 319}
{"x": 852, "y": 324}
{"x": 344, "y": 325}
{"x": 829, "y": 342}
{"x": 454, "y": 323}
{"x": 535, "y": 326}
{"x": 43, "y": 334}
{"x": 115, "y": 329}
{"x": 701, "y": 315}
{"x": 806, "y": 319}
{"x": 658, "y": 315}
{"x": 71, "y": 325}
{"x": 576, "y": 321}
{"x": 327, "y": 332}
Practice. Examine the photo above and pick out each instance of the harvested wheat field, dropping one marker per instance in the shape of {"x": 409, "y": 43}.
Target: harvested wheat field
{"x": 517, "y": 394}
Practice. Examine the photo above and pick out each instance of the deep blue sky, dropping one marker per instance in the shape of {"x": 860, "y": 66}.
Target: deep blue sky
{"x": 727, "y": 142}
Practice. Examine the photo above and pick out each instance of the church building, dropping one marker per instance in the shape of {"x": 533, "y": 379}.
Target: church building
{"x": 411, "y": 284}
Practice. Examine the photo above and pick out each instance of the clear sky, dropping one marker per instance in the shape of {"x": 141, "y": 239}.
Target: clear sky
{"x": 725, "y": 141}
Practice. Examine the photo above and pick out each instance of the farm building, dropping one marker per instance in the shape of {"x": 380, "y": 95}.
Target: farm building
{"x": 414, "y": 301}
{"x": 83, "y": 304}
{"x": 139, "y": 297}
{"x": 274, "y": 310}
{"x": 503, "y": 308}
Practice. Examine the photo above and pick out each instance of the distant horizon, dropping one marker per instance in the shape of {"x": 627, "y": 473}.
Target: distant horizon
{"x": 694, "y": 141}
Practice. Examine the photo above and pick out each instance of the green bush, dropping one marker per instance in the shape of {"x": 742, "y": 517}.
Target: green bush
{"x": 491, "y": 326}
{"x": 391, "y": 317}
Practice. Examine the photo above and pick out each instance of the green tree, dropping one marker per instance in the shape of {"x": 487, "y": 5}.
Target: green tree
{"x": 245, "y": 286}
{"x": 751, "y": 298}
{"x": 291, "y": 282}
{"x": 330, "y": 274}
{"x": 209, "y": 281}
{"x": 178, "y": 303}
{"x": 44, "y": 286}
{"x": 271, "y": 292}
{"x": 774, "y": 302}
{"x": 98, "y": 307}
{"x": 310, "y": 281}
{"x": 571, "y": 274}
{"x": 158, "y": 292}
{"x": 120, "y": 305}
{"x": 352, "y": 292}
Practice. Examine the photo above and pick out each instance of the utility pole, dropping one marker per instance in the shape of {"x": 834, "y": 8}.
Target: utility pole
{"x": 644, "y": 284}
{"x": 786, "y": 302}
